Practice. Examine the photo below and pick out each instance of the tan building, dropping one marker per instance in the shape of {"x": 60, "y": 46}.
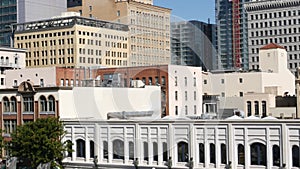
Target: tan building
{"x": 149, "y": 26}
{"x": 73, "y": 41}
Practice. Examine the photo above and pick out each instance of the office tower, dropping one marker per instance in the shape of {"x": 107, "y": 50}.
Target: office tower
{"x": 231, "y": 20}
{"x": 18, "y": 11}
{"x": 149, "y": 26}
{"x": 274, "y": 22}
{"x": 193, "y": 43}
{"x": 73, "y": 41}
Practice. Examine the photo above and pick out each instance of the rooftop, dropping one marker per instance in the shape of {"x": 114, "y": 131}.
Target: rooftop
{"x": 61, "y": 22}
{"x": 271, "y": 46}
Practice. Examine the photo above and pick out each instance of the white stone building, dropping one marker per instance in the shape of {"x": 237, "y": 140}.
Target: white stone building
{"x": 247, "y": 143}
{"x": 10, "y": 58}
{"x": 237, "y": 89}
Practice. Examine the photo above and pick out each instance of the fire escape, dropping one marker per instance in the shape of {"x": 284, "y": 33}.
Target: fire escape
{"x": 236, "y": 33}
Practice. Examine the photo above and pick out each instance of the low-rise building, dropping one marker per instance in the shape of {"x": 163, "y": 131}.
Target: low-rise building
{"x": 253, "y": 92}
{"x": 246, "y": 143}
{"x": 181, "y": 87}
{"x": 28, "y": 102}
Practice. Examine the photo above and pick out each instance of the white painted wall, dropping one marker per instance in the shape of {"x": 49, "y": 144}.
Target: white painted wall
{"x": 180, "y": 72}
{"x": 48, "y": 74}
{"x": 96, "y": 102}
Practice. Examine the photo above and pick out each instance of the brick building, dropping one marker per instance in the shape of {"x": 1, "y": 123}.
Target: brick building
{"x": 181, "y": 86}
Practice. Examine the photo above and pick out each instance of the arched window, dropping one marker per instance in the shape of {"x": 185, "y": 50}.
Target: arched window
{"x": 249, "y": 108}
{"x": 43, "y": 104}
{"x": 145, "y": 151}
{"x": 155, "y": 151}
{"x": 51, "y": 103}
{"x": 276, "y": 155}
{"x": 258, "y": 154}
{"x": 5, "y": 104}
{"x": 2, "y": 60}
{"x": 223, "y": 154}
{"x": 201, "y": 153}
{"x": 13, "y": 104}
{"x": 105, "y": 150}
{"x": 131, "y": 150}
{"x": 241, "y": 154}
{"x": 183, "y": 152}
{"x": 7, "y": 60}
{"x": 295, "y": 156}
{"x": 69, "y": 148}
{"x": 165, "y": 151}
{"x": 80, "y": 144}
{"x": 212, "y": 149}
{"x": 118, "y": 149}
{"x": 92, "y": 149}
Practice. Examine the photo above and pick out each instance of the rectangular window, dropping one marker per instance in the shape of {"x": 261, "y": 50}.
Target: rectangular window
{"x": 175, "y": 80}
{"x": 195, "y": 95}
{"x": 195, "y": 109}
{"x": 176, "y": 95}
{"x": 185, "y": 95}
{"x": 176, "y": 110}
{"x": 222, "y": 81}
{"x": 185, "y": 81}
{"x": 28, "y": 104}
{"x": 10, "y": 126}
{"x": 195, "y": 81}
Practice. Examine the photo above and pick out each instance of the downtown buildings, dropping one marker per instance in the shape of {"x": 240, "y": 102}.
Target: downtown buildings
{"x": 73, "y": 41}
{"x": 274, "y": 22}
{"x": 149, "y": 26}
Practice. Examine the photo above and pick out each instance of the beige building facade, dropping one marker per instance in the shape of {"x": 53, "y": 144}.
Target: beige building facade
{"x": 73, "y": 41}
{"x": 149, "y": 34}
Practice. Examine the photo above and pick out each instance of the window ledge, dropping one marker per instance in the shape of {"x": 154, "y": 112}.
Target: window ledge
{"x": 9, "y": 113}
{"x": 47, "y": 112}
{"x": 28, "y": 112}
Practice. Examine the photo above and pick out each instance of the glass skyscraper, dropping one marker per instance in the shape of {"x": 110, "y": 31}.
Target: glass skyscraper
{"x": 225, "y": 41}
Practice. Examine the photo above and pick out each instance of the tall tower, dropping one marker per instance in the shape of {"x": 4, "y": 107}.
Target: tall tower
{"x": 231, "y": 20}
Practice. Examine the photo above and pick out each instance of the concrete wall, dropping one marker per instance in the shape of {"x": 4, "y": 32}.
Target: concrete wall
{"x": 96, "y": 102}
{"x": 48, "y": 76}
{"x": 180, "y": 73}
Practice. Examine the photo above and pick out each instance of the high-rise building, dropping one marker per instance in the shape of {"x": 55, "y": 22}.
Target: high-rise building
{"x": 193, "y": 43}
{"x": 149, "y": 26}
{"x": 274, "y": 22}
{"x": 231, "y": 20}
{"x": 18, "y": 11}
{"x": 73, "y": 41}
